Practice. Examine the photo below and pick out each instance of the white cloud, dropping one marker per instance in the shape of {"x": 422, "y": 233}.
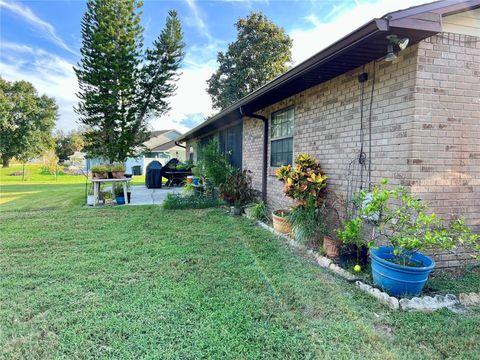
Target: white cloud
{"x": 45, "y": 28}
{"x": 338, "y": 23}
{"x": 50, "y": 74}
{"x": 197, "y": 20}
{"x": 54, "y": 76}
{"x": 191, "y": 104}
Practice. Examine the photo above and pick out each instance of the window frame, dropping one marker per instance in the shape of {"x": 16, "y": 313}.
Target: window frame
{"x": 285, "y": 137}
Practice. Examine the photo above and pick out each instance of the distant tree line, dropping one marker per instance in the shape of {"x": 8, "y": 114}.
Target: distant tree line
{"x": 26, "y": 121}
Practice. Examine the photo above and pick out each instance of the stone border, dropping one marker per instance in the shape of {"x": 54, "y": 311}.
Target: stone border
{"x": 424, "y": 303}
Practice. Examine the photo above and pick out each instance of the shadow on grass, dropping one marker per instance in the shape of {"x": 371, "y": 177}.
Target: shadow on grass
{"x": 41, "y": 196}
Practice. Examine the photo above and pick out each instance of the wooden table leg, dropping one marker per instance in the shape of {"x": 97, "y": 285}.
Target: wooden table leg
{"x": 125, "y": 192}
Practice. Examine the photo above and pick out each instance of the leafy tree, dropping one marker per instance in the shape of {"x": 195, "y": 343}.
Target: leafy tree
{"x": 67, "y": 144}
{"x": 260, "y": 53}
{"x": 120, "y": 84}
{"x": 26, "y": 121}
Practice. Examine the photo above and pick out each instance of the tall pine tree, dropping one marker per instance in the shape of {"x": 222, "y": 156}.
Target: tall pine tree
{"x": 120, "y": 84}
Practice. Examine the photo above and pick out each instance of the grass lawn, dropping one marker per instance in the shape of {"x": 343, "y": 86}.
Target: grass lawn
{"x": 35, "y": 175}
{"x": 130, "y": 282}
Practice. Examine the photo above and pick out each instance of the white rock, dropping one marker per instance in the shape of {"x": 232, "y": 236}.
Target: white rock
{"x": 427, "y": 303}
{"x": 470, "y": 299}
{"x": 381, "y": 296}
{"x": 343, "y": 273}
{"x": 323, "y": 261}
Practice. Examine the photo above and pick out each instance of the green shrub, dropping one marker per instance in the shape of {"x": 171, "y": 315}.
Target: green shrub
{"x": 307, "y": 224}
{"x": 177, "y": 202}
{"x": 259, "y": 210}
{"x": 404, "y": 223}
{"x": 99, "y": 169}
{"x": 187, "y": 165}
{"x": 237, "y": 189}
{"x": 117, "y": 167}
{"x": 213, "y": 164}
{"x": 303, "y": 180}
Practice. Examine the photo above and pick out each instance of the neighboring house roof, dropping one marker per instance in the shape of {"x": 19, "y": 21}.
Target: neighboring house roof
{"x": 158, "y": 132}
{"x": 363, "y": 45}
{"x": 165, "y": 147}
{"x": 161, "y": 137}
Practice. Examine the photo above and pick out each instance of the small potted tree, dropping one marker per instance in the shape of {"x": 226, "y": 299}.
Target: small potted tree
{"x": 237, "y": 190}
{"x": 100, "y": 171}
{"x": 304, "y": 183}
{"x": 118, "y": 171}
{"x": 401, "y": 230}
{"x": 119, "y": 195}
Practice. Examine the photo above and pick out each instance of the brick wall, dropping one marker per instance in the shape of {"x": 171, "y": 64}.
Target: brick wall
{"x": 327, "y": 126}
{"x": 446, "y": 129}
{"x": 425, "y": 129}
{"x": 445, "y": 163}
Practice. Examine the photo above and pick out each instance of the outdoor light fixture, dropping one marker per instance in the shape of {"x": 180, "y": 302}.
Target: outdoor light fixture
{"x": 390, "y": 54}
{"x": 394, "y": 40}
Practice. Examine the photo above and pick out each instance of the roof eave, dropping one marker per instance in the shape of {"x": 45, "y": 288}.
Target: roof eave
{"x": 341, "y": 45}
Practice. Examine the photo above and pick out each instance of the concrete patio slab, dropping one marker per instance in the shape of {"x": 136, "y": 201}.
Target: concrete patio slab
{"x": 143, "y": 196}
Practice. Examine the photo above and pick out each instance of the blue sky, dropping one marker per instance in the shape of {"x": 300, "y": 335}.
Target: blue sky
{"x": 40, "y": 42}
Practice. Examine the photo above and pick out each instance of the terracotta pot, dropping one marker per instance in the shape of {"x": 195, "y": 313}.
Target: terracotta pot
{"x": 100, "y": 175}
{"x": 280, "y": 223}
{"x": 331, "y": 246}
{"x": 118, "y": 174}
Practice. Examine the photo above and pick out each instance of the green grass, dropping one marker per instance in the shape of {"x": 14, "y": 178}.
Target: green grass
{"x": 468, "y": 280}
{"x": 131, "y": 282}
{"x": 35, "y": 175}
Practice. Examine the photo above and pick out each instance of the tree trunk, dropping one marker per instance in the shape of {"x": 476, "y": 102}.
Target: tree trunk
{"x": 5, "y": 162}
{"x": 23, "y": 172}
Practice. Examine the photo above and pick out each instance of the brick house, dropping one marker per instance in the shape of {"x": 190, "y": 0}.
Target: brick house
{"x": 368, "y": 113}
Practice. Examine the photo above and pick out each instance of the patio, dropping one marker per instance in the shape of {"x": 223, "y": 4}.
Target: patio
{"x": 141, "y": 195}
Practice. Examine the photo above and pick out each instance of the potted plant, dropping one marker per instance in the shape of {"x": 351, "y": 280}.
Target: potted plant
{"x": 196, "y": 174}
{"x": 119, "y": 195}
{"x": 304, "y": 183}
{"x": 280, "y": 221}
{"x": 118, "y": 171}
{"x": 237, "y": 190}
{"x": 100, "y": 171}
{"x": 106, "y": 197}
{"x": 257, "y": 210}
{"x": 401, "y": 231}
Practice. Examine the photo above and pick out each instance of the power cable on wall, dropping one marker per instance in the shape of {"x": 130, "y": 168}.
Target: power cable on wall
{"x": 361, "y": 163}
{"x": 370, "y": 128}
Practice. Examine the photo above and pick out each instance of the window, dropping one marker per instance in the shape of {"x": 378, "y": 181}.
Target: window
{"x": 281, "y": 150}
{"x": 230, "y": 141}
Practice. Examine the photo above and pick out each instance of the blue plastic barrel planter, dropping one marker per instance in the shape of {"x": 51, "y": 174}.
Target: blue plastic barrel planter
{"x": 399, "y": 280}
{"x": 120, "y": 200}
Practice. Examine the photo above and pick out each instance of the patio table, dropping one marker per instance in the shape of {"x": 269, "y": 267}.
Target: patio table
{"x": 176, "y": 175}
{"x": 96, "y": 187}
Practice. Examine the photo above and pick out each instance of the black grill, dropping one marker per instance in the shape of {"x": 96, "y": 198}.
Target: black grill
{"x": 153, "y": 175}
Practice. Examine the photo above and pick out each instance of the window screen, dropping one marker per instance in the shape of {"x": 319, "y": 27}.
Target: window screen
{"x": 281, "y": 150}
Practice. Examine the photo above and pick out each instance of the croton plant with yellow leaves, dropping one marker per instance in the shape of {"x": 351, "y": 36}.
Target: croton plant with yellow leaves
{"x": 302, "y": 180}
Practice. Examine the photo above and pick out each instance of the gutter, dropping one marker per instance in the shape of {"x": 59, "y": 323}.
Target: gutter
{"x": 265, "y": 149}
{"x": 177, "y": 144}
